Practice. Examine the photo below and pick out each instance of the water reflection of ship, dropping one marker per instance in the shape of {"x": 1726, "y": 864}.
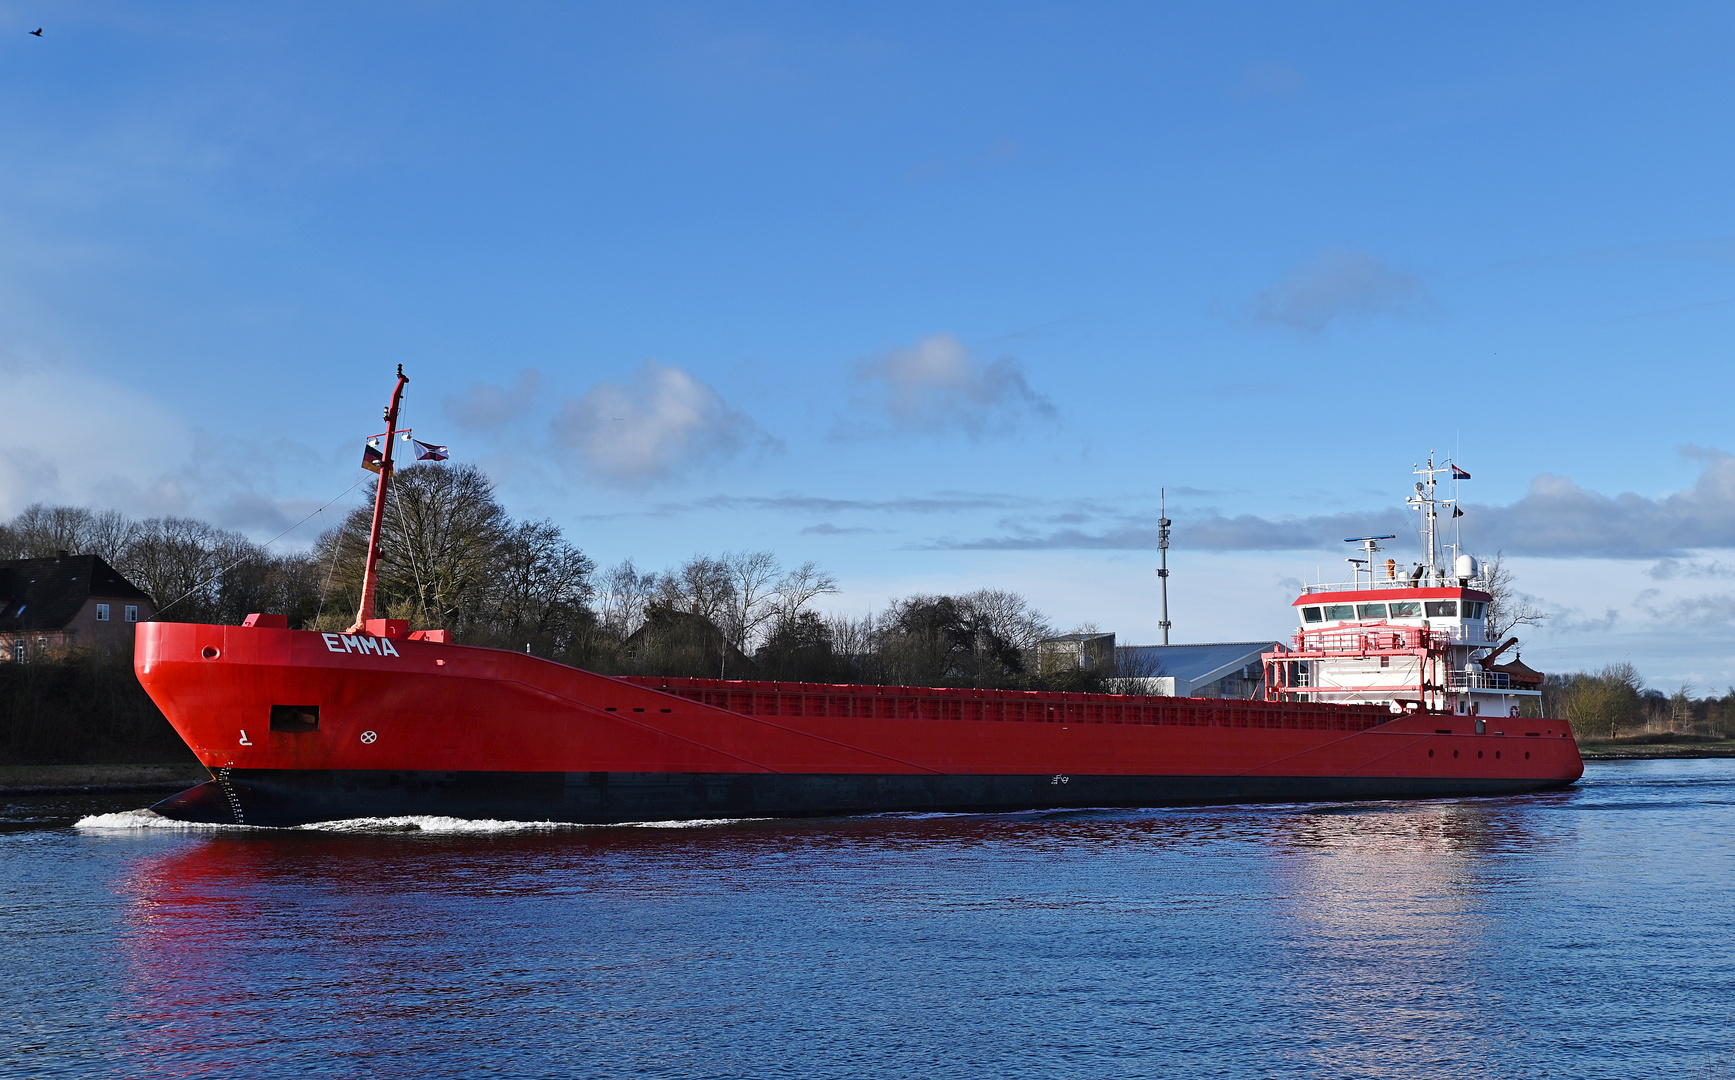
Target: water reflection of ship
{"x": 346, "y": 947}
{"x": 1391, "y": 920}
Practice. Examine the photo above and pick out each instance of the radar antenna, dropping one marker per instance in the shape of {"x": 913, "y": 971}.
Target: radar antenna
{"x": 1370, "y": 544}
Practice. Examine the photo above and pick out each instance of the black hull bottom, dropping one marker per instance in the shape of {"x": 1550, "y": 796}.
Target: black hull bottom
{"x": 272, "y": 797}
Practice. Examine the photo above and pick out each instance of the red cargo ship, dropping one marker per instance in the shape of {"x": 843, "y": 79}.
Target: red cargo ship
{"x": 300, "y": 726}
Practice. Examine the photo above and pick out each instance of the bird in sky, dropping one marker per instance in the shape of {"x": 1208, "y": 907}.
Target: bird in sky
{"x": 36, "y": 32}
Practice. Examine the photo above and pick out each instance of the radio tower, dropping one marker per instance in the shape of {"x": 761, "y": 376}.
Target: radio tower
{"x": 1163, "y": 547}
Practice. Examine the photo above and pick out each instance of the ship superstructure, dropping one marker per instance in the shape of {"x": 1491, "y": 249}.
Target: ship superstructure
{"x": 1415, "y": 638}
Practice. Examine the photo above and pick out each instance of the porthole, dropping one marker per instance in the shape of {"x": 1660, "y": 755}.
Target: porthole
{"x": 1430, "y": 753}
{"x": 1496, "y": 755}
{"x": 1478, "y": 753}
{"x": 210, "y": 652}
{"x": 1454, "y": 753}
{"x": 1526, "y": 755}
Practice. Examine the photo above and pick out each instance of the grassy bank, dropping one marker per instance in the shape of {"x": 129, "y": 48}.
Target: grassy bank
{"x": 1656, "y": 746}
{"x": 42, "y": 779}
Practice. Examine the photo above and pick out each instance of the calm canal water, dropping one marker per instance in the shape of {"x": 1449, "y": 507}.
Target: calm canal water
{"x": 1586, "y": 933}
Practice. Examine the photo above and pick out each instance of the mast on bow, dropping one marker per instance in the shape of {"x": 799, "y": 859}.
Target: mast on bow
{"x": 370, "y": 576}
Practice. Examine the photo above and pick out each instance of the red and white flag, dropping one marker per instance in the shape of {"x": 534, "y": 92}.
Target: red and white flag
{"x": 425, "y": 452}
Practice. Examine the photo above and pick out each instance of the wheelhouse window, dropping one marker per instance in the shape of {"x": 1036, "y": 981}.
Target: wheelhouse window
{"x": 1311, "y": 614}
{"x": 1336, "y": 612}
{"x": 1473, "y": 609}
{"x": 1370, "y": 611}
{"x": 1442, "y": 609}
{"x": 1406, "y": 609}
{"x": 132, "y": 613}
{"x": 102, "y": 613}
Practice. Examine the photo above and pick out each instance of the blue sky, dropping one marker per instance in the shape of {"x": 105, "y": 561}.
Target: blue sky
{"x": 938, "y": 296}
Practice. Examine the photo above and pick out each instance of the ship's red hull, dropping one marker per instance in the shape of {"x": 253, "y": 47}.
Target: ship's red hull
{"x": 417, "y": 727}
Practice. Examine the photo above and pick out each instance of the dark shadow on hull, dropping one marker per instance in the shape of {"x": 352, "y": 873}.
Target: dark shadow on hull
{"x": 281, "y": 798}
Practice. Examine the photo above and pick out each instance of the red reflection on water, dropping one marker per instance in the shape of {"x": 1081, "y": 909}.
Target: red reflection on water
{"x": 238, "y": 948}
{"x": 1386, "y": 930}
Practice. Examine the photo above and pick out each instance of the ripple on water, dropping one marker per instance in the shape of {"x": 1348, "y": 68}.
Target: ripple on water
{"x": 1574, "y": 934}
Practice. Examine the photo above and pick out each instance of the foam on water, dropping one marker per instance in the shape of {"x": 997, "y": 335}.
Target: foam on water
{"x": 128, "y": 820}
{"x": 432, "y": 823}
{"x": 693, "y": 823}
{"x": 147, "y": 819}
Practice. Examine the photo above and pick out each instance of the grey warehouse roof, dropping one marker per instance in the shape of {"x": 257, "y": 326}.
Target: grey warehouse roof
{"x": 1194, "y": 665}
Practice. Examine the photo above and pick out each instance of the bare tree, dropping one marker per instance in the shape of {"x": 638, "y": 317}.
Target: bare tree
{"x": 41, "y": 531}
{"x": 752, "y": 600}
{"x": 800, "y": 586}
{"x": 1011, "y": 617}
{"x": 852, "y": 637}
{"x": 700, "y": 586}
{"x": 1599, "y": 703}
{"x": 1510, "y": 608}
{"x": 624, "y": 595}
{"x": 194, "y": 571}
{"x": 1681, "y": 706}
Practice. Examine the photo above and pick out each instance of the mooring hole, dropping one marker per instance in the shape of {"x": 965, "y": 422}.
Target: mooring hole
{"x": 295, "y": 718}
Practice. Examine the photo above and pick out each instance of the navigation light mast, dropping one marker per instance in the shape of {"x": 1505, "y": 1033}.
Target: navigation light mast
{"x": 1163, "y": 550}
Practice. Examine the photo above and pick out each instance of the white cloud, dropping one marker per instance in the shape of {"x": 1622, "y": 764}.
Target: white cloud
{"x": 72, "y": 437}
{"x": 1705, "y": 609}
{"x": 659, "y": 424}
{"x": 1555, "y": 519}
{"x": 1572, "y": 621}
{"x": 937, "y": 385}
{"x": 826, "y": 528}
{"x": 485, "y": 407}
{"x": 25, "y": 477}
{"x": 1670, "y": 569}
{"x": 1338, "y": 285}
